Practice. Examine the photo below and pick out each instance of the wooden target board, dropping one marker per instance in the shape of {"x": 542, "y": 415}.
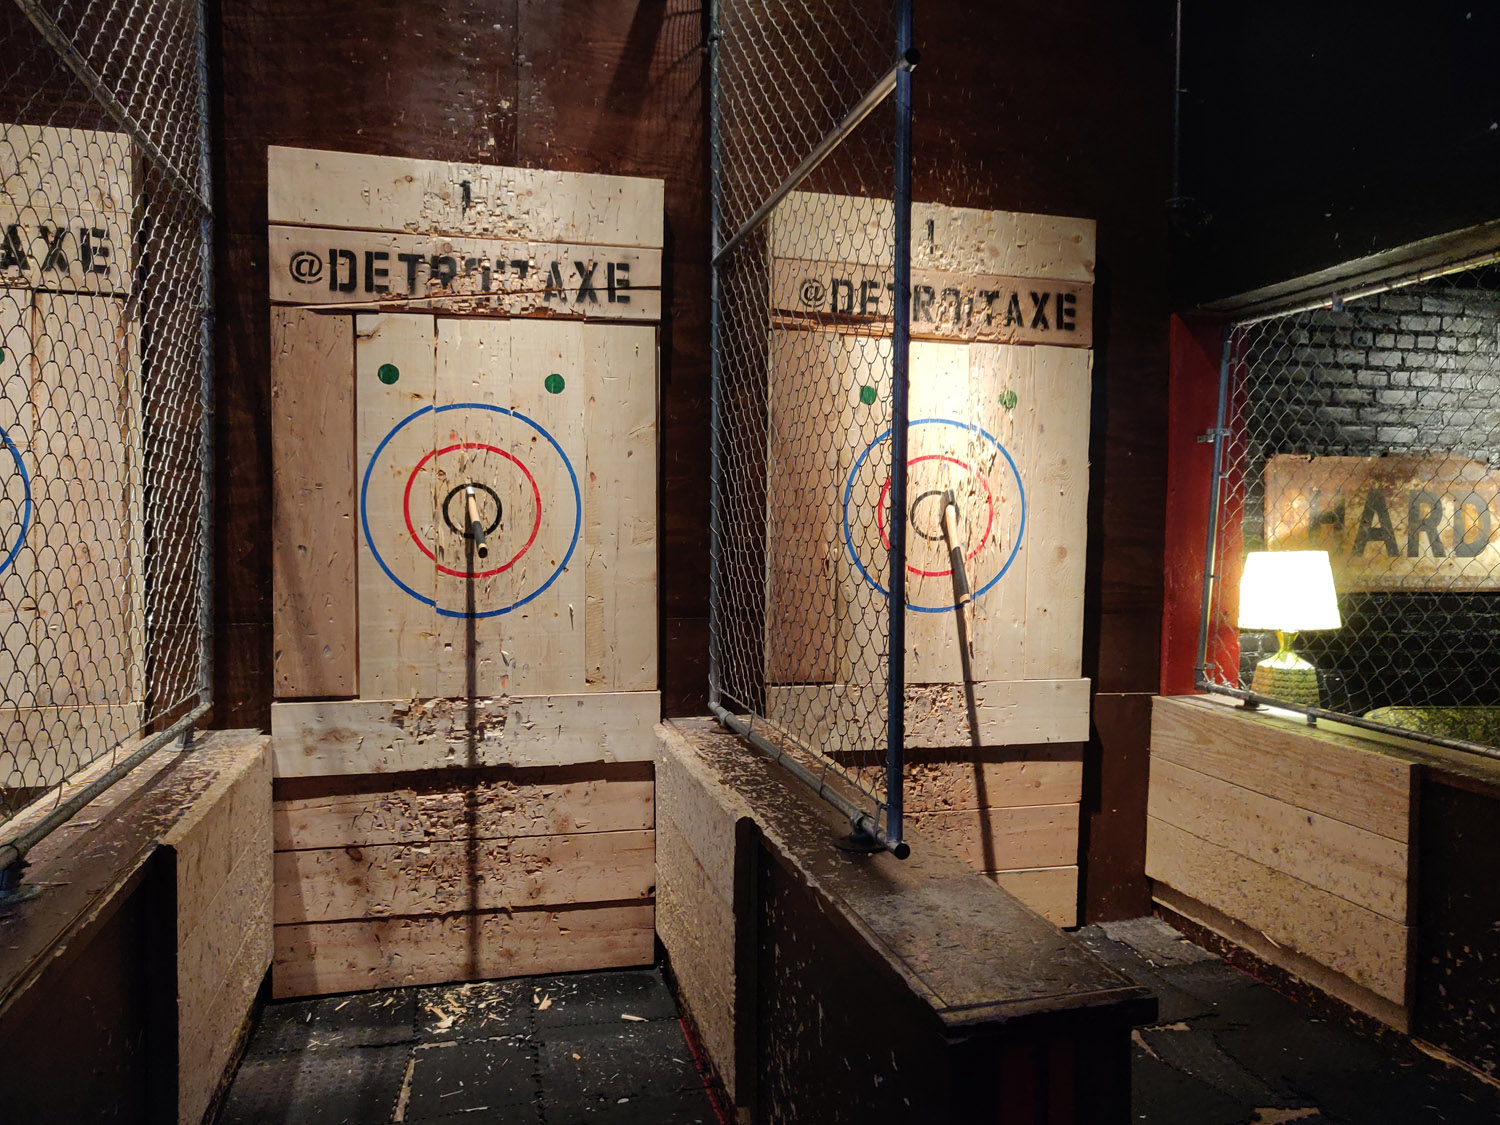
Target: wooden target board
{"x": 1000, "y": 368}
{"x": 72, "y": 589}
{"x": 446, "y": 334}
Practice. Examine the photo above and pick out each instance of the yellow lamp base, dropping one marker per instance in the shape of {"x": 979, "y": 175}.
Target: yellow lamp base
{"x": 1286, "y": 676}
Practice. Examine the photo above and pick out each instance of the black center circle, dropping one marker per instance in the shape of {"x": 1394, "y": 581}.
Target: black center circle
{"x": 460, "y": 489}
{"x": 916, "y": 524}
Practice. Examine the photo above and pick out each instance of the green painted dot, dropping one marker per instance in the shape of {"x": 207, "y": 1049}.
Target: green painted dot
{"x": 554, "y": 384}
{"x": 1008, "y": 399}
{"x": 388, "y": 373}
{"x": 867, "y": 395}
{"x": 2, "y": 354}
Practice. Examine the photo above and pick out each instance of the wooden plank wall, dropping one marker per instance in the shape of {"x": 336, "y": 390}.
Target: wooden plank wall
{"x": 1010, "y": 812}
{"x": 1299, "y": 835}
{"x": 421, "y": 878}
{"x": 463, "y": 780}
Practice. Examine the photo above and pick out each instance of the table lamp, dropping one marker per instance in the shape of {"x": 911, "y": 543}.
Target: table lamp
{"x": 1290, "y": 592}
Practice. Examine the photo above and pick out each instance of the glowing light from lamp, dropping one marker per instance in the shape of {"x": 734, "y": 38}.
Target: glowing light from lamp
{"x": 1289, "y": 591}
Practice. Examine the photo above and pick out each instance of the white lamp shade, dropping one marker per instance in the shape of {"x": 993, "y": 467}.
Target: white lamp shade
{"x": 1288, "y": 590}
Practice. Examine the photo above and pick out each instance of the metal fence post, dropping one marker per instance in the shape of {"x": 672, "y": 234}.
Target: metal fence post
{"x": 900, "y": 386}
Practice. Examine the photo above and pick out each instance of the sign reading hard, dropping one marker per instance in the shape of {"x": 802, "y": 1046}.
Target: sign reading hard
{"x": 1406, "y": 522}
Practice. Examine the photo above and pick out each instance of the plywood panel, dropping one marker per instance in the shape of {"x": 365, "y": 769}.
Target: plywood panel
{"x": 77, "y": 169}
{"x": 530, "y": 803}
{"x": 804, "y": 396}
{"x": 862, "y": 365}
{"x": 1367, "y": 947}
{"x": 1058, "y": 498}
{"x": 939, "y": 389}
{"x": 66, "y": 211}
{"x": 1005, "y": 839}
{"x": 17, "y": 514}
{"x": 478, "y": 441}
{"x": 1313, "y": 770}
{"x": 315, "y": 523}
{"x": 87, "y": 588}
{"x": 441, "y": 877}
{"x": 824, "y": 227}
{"x": 389, "y": 193}
{"x": 945, "y": 304}
{"x": 316, "y": 958}
{"x": 1362, "y": 867}
{"x": 391, "y": 736}
{"x": 620, "y": 645}
{"x": 545, "y": 636}
{"x": 56, "y": 742}
{"x": 396, "y": 651}
{"x": 1004, "y": 404}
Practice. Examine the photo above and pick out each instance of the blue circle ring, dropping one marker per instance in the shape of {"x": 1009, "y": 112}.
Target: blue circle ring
{"x": 25, "y": 508}
{"x": 849, "y": 492}
{"x": 364, "y": 515}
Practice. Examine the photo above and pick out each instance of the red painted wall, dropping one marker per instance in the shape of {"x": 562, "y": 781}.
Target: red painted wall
{"x": 1192, "y": 410}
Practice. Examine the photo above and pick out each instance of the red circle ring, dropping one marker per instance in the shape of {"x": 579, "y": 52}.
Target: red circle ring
{"x": 410, "y": 527}
{"x": 989, "y": 523}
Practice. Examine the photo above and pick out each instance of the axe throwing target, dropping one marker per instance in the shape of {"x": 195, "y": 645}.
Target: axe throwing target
{"x": 532, "y": 528}
{"x": 942, "y": 454}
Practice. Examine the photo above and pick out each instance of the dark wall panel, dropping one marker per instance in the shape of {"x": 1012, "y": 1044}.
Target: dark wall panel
{"x": 1458, "y": 919}
{"x": 1314, "y": 134}
{"x": 579, "y": 85}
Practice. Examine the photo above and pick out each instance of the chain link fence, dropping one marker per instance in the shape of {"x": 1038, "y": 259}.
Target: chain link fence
{"x": 104, "y": 347}
{"x": 810, "y": 149}
{"x": 1368, "y": 429}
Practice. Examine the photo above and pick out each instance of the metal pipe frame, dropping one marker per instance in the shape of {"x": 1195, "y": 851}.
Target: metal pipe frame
{"x": 206, "y": 381}
{"x": 821, "y": 151}
{"x": 715, "y": 482}
{"x": 14, "y": 851}
{"x": 896, "y": 80}
{"x": 895, "y": 747}
{"x": 860, "y": 820}
{"x": 63, "y": 46}
{"x": 1211, "y": 545}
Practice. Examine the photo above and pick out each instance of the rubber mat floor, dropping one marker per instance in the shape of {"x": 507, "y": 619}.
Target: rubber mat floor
{"x": 1228, "y": 1050}
{"x": 556, "y": 1050}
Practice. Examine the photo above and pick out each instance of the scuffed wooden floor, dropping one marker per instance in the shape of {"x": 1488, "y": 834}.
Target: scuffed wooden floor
{"x": 553, "y": 1050}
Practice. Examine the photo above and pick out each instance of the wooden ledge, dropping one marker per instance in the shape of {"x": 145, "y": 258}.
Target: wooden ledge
{"x": 976, "y": 956}
{"x": 85, "y": 865}
{"x": 1438, "y": 762}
